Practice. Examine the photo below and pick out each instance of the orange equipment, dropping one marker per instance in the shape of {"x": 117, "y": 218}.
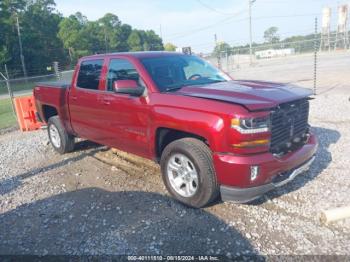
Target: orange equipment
{"x": 25, "y": 110}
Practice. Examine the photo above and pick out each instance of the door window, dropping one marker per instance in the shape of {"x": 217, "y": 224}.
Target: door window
{"x": 90, "y": 74}
{"x": 120, "y": 69}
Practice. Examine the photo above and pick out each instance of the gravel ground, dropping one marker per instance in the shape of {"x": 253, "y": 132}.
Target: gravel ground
{"x": 94, "y": 201}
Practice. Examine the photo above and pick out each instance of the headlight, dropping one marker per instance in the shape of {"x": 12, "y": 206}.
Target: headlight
{"x": 251, "y": 125}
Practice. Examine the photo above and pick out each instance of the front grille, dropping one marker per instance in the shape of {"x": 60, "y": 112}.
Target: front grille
{"x": 289, "y": 126}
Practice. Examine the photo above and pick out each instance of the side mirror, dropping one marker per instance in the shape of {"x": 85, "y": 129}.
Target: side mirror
{"x": 128, "y": 87}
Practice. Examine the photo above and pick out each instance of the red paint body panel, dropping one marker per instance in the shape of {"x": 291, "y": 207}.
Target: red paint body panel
{"x": 254, "y": 95}
{"x": 55, "y": 97}
{"x": 234, "y": 170}
{"x": 131, "y": 123}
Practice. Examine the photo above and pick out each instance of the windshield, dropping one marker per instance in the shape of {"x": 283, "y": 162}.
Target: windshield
{"x": 175, "y": 71}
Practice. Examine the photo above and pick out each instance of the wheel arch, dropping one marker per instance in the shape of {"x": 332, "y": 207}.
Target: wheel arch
{"x": 48, "y": 111}
{"x": 164, "y": 136}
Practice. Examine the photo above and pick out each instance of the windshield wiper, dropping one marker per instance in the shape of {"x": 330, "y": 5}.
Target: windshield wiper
{"x": 181, "y": 86}
{"x": 173, "y": 88}
{"x": 212, "y": 81}
{"x": 191, "y": 83}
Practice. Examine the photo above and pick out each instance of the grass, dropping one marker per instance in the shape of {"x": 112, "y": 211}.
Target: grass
{"x": 7, "y": 117}
{"x": 24, "y": 85}
{"x": 21, "y": 84}
{"x": 15, "y": 87}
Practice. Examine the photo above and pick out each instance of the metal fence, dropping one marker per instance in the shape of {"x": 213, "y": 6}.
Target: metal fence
{"x": 20, "y": 86}
{"x": 12, "y": 88}
{"x": 281, "y": 63}
{"x": 272, "y": 62}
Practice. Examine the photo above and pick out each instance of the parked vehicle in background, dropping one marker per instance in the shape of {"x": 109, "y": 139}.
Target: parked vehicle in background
{"x": 211, "y": 135}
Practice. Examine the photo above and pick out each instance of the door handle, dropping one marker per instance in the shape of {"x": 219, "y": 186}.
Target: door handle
{"x": 74, "y": 98}
{"x": 106, "y": 101}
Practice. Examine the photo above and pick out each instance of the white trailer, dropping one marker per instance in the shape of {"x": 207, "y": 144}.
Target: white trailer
{"x": 270, "y": 53}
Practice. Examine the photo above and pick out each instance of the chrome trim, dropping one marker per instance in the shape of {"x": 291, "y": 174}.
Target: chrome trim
{"x": 296, "y": 172}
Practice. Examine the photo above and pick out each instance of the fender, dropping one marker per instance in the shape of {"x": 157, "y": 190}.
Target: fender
{"x": 206, "y": 118}
{"x": 206, "y": 125}
{"x": 56, "y": 97}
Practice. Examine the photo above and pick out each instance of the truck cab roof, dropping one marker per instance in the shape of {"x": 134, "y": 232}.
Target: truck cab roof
{"x": 138, "y": 55}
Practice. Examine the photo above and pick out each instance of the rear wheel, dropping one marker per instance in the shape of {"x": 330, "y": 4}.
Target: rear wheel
{"x": 188, "y": 172}
{"x": 61, "y": 141}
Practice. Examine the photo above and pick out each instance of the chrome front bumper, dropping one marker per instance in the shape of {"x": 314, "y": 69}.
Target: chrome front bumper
{"x": 305, "y": 167}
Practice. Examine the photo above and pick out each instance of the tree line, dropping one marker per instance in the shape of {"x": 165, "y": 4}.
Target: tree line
{"x": 48, "y": 36}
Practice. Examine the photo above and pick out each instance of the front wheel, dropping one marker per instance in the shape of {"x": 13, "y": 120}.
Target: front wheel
{"x": 188, "y": 172}
{"x": 61, "y": 141}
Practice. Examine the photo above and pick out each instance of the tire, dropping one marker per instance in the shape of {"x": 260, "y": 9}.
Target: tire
{"x": 60, "y": 140}
{"x": 198, "y": 160}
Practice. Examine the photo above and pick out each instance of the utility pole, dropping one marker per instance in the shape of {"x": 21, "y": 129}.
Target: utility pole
{"x": 20, "y": 47}
{"x": 7, "y": 79}
{"x": 160, "y": 31}
{"x": 105, "y": 33}
{"x": 218, "y": 54}
{"x": 106, "y": 40}
{"x": 250, "y": 31}
{"x": 315, "y": 56}
{"x": 227, "y": 57}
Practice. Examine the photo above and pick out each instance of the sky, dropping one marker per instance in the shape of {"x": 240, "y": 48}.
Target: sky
{"x": 195, "y": 22}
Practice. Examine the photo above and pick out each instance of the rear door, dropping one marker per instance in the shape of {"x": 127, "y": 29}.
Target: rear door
{"x": 85, "y": 100}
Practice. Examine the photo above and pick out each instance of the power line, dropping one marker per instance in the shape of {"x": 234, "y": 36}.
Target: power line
{"x": 232, "y": 16}
{"x": 215, "y": 10}
{"x": 286, "y": 16}
{"x": 250, "y": 2}
{"x": 230, "y": 20}
{"x": 184, "y": 34}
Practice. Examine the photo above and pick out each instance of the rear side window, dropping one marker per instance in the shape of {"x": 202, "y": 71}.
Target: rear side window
{"x": 90, "y": 74}
{"x": 120, "y": 69}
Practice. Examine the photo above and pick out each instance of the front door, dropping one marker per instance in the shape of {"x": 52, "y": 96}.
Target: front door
{"x": 125, "y": 117}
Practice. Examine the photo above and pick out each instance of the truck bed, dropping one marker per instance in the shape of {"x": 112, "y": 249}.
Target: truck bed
{"x": 52, "y": 96}
{"x": 55, "y": 84}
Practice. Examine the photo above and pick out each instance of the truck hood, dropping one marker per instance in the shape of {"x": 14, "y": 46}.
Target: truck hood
{"x": 254, "y": 95}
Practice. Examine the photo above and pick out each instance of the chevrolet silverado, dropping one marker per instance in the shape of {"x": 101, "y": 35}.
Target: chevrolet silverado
{"x": 212, "y": 135}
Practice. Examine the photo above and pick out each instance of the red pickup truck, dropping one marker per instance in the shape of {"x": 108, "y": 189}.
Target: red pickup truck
{"x": 212, "y": 135}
